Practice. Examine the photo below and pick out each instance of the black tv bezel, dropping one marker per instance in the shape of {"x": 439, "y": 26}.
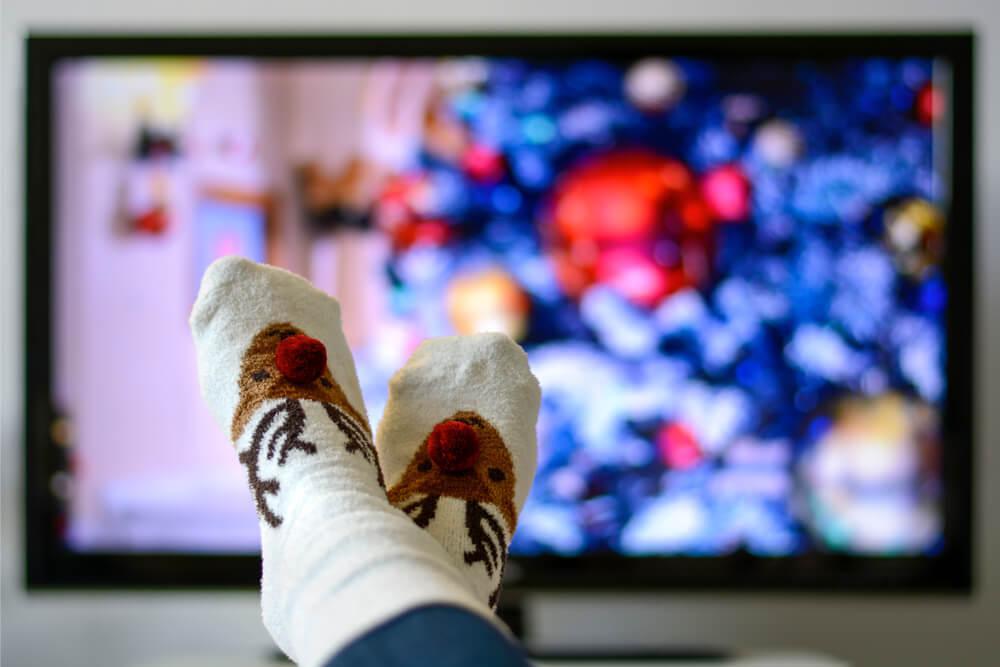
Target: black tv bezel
{"x": 51, "y": 565}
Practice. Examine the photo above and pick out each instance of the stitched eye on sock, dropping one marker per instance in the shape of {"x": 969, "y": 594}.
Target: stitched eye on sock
{"x": 496, "y": 474}
{"x": 326, "y": 383}
{"x": 424, "y": 466}
{"x": 260, "y": 376}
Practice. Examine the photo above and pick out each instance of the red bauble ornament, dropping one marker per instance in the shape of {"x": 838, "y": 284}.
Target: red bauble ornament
{"x": 483, "y": 163}
{"x": 453, "y": 446}
{"x": 929, "y": 104}
{"x": 612, "y": 216}
{"x": 433, "y": 233}
{"x": 617, "y": 197}
{"x": 726, "y": 190}
{"x": 678, "y": 446}
{"x": 153, "y": 221}
{"x": 300, "y": 358}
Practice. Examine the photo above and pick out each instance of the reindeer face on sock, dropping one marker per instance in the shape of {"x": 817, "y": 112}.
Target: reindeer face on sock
{"x": 464, "y": 460}
{"x": 487, "y": 477}
{"x": 285, "y": 367}
{"x": 260, "y": 379}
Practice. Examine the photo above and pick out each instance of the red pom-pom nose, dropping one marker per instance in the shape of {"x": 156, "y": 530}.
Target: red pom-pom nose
{"x": 300, "y": 358}
{"x": 453, "y": 446}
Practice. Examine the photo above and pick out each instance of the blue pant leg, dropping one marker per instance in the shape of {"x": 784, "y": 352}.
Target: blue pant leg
{"x": 433, "y": 636}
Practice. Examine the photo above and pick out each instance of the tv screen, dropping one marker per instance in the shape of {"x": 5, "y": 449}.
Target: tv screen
{"x": 736, "y": 268}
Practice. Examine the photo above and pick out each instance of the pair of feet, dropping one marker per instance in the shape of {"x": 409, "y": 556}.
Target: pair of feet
{"x": 356, "y": 531}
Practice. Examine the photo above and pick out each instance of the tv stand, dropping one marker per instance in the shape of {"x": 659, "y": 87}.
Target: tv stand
{"x": 678, "y": 659}
{"x": 625, "y": 656}
{"x": 512, "y": 612}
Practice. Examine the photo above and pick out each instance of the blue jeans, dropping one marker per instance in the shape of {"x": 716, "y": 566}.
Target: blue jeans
{"x": 437, "y": 635}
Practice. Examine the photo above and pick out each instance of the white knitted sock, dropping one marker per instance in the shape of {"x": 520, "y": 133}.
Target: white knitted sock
{"x": 276, "y": 372}
{"x": 457, "y": 446}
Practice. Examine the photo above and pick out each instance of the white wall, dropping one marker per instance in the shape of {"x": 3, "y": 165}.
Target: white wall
{"x": 129, "y": 629}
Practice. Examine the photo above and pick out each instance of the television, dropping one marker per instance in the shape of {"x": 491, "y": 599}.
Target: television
{"x": 741, "y": 267}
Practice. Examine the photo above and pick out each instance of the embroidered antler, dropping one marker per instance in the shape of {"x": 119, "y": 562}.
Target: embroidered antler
{"x": 489, "y": 546}
{"x": 289, "y": 435}
{"x": 422, "y": 511}
{"x": 358, "y": 439}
